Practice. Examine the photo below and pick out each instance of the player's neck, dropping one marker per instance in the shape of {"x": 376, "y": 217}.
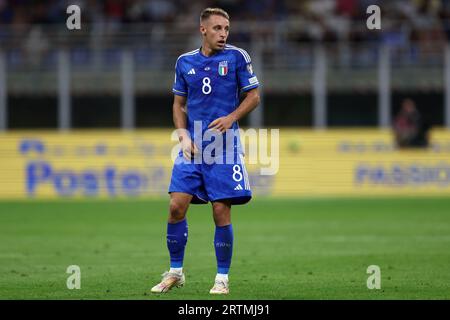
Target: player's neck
{"x": 207, "y": 51}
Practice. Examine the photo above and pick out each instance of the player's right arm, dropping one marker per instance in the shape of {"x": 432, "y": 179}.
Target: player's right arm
{"x": 180, "y": 90}
{"x": 180, "y": 121}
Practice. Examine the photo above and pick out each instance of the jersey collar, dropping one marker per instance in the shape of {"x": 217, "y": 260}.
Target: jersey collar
{"x": 214, "y": 55}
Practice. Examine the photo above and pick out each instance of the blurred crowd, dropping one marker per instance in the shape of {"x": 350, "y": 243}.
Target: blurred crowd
{"x": 416, "y": 30}
{"x": 328, "y": 19}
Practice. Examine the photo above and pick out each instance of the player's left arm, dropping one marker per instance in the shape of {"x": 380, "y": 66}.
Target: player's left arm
{"x": 250, "y": 102}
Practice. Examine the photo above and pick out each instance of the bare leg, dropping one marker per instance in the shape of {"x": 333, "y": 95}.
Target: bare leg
{"x": 179, "y": 204}
{"x": 222, "y": 213}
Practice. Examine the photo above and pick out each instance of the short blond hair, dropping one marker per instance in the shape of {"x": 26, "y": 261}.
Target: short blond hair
{"x": 208, "y": 12}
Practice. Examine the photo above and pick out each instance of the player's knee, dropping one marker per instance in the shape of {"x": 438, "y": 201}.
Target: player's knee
{"x": 221, "y": 208}
{"x": 177, "y": 210}
{"x": 221, "y": 213}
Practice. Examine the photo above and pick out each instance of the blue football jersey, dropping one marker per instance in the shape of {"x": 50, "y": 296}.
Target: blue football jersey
{"x": 212, "y": 84}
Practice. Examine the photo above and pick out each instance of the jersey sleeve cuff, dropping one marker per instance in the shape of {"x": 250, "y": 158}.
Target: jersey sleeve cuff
{"x": 179, "y": 93}
{"x": 250, "y": 87}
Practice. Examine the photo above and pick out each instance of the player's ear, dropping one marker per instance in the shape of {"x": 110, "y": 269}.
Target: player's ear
{"x": 202, "y": 30}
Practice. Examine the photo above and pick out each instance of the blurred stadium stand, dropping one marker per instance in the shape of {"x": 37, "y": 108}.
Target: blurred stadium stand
{"x": 319, "y": 65}
{"x": 318, "y": 62}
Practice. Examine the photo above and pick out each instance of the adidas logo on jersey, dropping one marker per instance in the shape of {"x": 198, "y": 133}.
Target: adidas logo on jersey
{"x": 238, "y": 187}
{"x": 192, "y": 71}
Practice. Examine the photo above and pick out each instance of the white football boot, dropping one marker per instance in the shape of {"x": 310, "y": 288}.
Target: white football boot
{"x": 169, "y": 280}
{"x": 220, "y": 287}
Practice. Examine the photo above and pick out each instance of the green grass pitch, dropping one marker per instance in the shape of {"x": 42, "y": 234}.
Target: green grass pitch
{"x": 284, "y": 249}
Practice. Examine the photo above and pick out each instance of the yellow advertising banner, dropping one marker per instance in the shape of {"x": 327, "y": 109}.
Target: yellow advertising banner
{"x": 303, "y": 163}
{"x": 360, "y": 163}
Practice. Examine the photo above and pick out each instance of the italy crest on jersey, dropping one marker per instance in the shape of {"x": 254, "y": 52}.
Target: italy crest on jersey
{"x": 223, "y": 68}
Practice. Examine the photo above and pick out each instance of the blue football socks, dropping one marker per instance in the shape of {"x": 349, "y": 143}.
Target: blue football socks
{"x": 177, "y": 234}
{"x": 223, "y": 244}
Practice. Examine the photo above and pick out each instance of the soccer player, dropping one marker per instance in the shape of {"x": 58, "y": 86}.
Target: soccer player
{"x": 208, "y": 82}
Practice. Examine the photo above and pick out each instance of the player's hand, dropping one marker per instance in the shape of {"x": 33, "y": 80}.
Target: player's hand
{"x": 188, "y": 147}
{"x": 221, "y": 124}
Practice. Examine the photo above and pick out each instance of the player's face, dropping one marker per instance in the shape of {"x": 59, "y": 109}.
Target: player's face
{"x": 215, "y": 31}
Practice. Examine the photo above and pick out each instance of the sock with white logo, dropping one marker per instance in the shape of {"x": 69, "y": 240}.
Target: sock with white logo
{"x": 177, "y": 234}
{"x": 223, "y": 244}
